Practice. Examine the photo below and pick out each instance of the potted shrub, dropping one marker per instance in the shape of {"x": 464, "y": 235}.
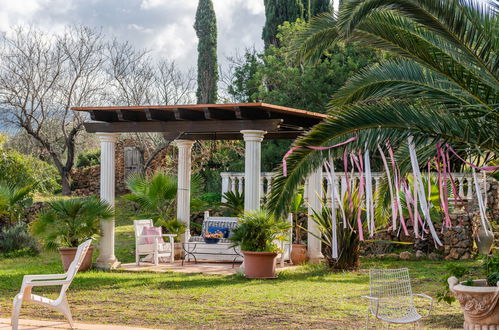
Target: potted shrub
{"x": 66, "y": 223}
{"x": 298, "y": 250}
{"x": 479, "y": 299}
{"x": 257, "y": 235}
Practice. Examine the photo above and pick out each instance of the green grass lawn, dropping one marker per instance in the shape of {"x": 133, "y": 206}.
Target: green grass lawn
{"x": 308, "y": 297}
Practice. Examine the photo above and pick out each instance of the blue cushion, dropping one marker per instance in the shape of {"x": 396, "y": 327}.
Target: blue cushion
{"x": 223, "y": 230}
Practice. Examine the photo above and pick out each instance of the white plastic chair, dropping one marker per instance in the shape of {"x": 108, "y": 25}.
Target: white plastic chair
{"x": 391, "y": 298}
{"x": 61, "y": 303}
{"x": 156, "y": 249}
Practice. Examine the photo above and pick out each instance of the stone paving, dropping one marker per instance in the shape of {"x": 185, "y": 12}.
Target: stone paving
{"x": 209, "y": 268}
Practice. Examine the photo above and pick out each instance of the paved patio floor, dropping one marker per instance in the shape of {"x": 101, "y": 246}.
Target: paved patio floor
{"x": 205, "y": 267}
{"x": 58, "y": 325}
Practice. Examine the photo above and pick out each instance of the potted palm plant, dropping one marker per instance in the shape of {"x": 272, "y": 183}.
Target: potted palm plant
{"x": 257, "y": 234}
{"x": 66, "y": 223}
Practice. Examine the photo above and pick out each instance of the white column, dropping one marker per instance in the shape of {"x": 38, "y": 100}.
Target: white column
{"x": 184, "y": 184}
{"x": 225, "y": 184}
{"x": 252, "y": 168}
{"x": 107, "y": 259}
{"x": 314, "y": 192}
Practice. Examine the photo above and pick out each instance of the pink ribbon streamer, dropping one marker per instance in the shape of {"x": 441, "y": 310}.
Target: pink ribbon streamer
{"x": 290, "y": 151}
{"x": 483, "y": 168}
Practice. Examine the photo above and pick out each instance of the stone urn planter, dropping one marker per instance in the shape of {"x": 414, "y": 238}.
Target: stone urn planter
{"x": 479, "y": 303}
{"x": 68, "y": 255}
{"x": 259, "y": 264}
{"x": 298, "y": 254}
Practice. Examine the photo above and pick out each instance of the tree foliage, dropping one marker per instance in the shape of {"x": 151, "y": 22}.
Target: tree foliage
{"x": 439, "y": 84}
{"x": 206, "y": 30}
{"x": 276, "y": 13}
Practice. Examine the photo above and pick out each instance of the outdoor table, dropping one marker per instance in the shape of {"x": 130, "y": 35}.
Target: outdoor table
{"x": 202, "y": 248}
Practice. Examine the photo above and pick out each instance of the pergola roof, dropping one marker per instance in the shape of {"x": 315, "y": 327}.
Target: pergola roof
{"x": 202, "y": 121}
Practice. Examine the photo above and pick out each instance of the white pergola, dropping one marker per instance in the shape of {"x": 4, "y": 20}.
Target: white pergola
{"x": 185, "y": 124}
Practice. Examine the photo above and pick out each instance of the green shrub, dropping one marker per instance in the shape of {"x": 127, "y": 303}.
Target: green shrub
{"x": 211, "y": 198}
{"x": 88, "y": 158}
{"x": 16, "y": 241}
{"x": 24, "y": 170}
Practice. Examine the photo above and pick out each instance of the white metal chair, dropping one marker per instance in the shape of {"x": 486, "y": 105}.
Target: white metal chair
{"x": 391, "y": 298}
{"x": 61, "y": 303}
{"x": 157, "y": 248}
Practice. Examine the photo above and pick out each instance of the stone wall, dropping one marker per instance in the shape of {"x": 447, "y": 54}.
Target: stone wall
{"x": 86, "y": 181}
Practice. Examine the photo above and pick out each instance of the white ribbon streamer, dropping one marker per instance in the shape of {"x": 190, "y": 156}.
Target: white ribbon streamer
{"x": 389, "y": 178}
{"x": 334, "y": 196}
{"x": 481, "y": 205}
{"x": 369, "y": 194}
{"x": 420, "y": 190}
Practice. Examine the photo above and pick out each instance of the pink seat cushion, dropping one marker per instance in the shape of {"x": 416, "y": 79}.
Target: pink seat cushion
{"x": 152, "y": 231}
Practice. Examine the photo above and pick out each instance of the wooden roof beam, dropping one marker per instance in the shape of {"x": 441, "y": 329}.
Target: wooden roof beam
{"x": 188, "y": 114}
{"x": 212, "y": 126}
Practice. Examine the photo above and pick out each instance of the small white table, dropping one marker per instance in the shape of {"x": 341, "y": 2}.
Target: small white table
{"x": 200, "y": 249}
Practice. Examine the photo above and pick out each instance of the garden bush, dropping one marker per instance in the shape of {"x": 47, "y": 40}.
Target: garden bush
{"x": 88, "y": 158}
{"x": 23, "y": 170}
{"x": 16, "y": 241}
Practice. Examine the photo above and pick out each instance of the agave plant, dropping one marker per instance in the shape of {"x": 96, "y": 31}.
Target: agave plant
{"x": 70, "y": 222}
{"x": 347, "y": 238}
{"x": 439, "y": 82}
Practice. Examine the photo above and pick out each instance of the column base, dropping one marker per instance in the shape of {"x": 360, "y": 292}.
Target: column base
{"x": 315, "y": 260}
{"x": 107, "y": 264}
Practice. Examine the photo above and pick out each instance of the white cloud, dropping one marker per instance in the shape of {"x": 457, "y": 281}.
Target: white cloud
{"x": 164, "y": 26}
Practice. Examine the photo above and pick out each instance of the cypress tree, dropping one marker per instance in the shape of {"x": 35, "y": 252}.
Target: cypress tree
{"x": 206, "y": 31}
{"x": 276, "y": 13}
{"x": 320, "y": 6}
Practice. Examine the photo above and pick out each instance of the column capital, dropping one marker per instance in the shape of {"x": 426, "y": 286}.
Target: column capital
{"x": 253, "y": 135}
{"x": 184, "y": 143}
{"x": 107, "y": 137}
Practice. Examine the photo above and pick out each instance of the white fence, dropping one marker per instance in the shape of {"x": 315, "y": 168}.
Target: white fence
{"x": 234, "y": 181}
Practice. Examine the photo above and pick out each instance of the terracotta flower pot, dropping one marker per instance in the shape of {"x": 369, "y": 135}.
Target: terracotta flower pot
{"x": 479, "y": 303}
{"x": 298, "y": 254}
{"x": 68, "y": 255}
{"x": 259, "y": 264}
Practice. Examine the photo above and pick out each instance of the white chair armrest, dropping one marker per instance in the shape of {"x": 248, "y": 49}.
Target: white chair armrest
{"x": 376, "y": 300}
{"x": 169, "y": 235}
{"x": 427, "y": 297}
{"x": 44, "y": 277}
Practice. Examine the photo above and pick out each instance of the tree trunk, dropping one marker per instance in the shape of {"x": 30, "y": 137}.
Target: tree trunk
{"x": 65, "y": 185}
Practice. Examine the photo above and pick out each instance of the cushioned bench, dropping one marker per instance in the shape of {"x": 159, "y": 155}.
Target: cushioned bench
{"x": 222, "y": 252}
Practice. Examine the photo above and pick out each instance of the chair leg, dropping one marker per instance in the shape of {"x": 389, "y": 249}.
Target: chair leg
{"x": 156, "y": 259}
{"x": 137, "y": 257}
{"x": 64, "y": 309}
{"x": 16, "y": 310}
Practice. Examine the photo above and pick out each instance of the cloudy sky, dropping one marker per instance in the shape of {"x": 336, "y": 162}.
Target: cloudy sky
{"x": 164, "y": 26}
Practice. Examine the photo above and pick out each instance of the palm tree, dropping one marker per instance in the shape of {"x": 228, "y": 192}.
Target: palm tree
{"x": 14, "y": 200}
{"x": 439, "y": 82}
{"x": 155, "y": 196}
